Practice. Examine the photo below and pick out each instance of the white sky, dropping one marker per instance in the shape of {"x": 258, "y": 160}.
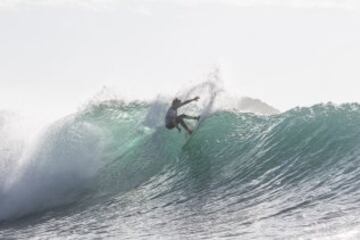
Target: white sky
{"x": 54, "y": 55}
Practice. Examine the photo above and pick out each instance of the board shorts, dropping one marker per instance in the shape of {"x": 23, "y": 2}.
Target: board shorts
{"x": 170, "y": 126}
{"x": 170, "y": 118}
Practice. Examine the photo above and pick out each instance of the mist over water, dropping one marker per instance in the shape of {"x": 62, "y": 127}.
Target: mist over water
{"x": 111, "y": 170}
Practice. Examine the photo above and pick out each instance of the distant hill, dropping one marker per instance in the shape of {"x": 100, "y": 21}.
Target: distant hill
{"x": 257, "y": 106}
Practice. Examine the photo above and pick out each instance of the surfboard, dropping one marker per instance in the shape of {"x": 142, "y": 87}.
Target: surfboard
{"x": 194, "y": 129}
{"x": 197, "y": 124}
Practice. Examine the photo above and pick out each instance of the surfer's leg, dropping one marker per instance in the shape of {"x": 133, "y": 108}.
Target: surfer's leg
{"x": 182, "y": 123}
{"x": 184, "y": 116}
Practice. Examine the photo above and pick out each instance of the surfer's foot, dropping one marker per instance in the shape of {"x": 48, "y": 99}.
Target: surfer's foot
{"x": 190, "y": 131}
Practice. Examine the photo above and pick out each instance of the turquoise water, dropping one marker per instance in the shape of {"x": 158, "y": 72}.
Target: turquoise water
{"x": 109, "y": 172}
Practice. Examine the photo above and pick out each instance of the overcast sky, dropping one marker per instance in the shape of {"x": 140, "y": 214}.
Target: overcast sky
{"x": 54, "y": 55}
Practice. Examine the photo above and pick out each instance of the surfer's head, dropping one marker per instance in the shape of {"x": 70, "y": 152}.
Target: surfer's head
{"x": 176, "y": 102}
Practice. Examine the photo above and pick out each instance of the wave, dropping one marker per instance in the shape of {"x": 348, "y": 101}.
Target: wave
{"x": 306, "y": 159}
{"x": 109, "y": 149}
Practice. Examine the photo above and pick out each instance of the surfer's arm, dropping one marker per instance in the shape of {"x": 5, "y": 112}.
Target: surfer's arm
{"x": 189, "y": 101}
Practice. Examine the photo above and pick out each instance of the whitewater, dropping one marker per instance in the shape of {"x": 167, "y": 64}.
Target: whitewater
{"x": 112, "y": 171}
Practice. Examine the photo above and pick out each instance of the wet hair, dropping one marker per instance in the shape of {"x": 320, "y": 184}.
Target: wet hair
{"x": 175, "y": 101}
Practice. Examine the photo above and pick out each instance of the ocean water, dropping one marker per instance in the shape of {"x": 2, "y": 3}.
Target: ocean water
{"x": 112, "y": 171}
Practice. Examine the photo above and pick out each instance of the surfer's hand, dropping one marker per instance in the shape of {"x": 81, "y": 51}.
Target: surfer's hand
{"x": 196, "y": 98}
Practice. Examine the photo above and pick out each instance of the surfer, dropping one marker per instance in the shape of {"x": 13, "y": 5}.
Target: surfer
{"x": 172, "y": 120}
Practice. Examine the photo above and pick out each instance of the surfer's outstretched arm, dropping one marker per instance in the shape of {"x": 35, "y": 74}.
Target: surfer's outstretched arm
{"x": 189, "y": 101}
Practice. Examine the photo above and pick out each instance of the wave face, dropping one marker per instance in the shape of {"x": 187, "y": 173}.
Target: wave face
{"x": 109, "y": 172}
